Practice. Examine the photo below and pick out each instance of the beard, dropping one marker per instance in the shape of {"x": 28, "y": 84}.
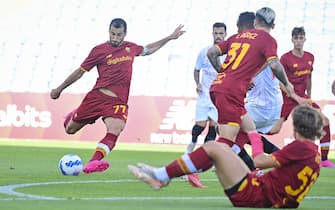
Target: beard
{"x": 114, "y": 43}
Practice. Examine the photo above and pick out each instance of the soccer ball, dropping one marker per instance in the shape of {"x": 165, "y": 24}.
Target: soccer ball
{"x": 71, "y": 165}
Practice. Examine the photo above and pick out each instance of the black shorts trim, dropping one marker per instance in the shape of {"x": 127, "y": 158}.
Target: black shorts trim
{"x": 235, "y": 188}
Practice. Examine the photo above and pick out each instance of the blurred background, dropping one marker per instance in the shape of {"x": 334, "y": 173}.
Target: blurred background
{"x": 42, "y": 41}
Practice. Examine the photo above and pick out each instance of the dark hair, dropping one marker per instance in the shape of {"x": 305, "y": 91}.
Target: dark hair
{"x": 298, "y": 31}
{"x": 307, "y": 121}
{"x": 220, "y": 25}
{"x": 118, "y": 23}
{"x": 246, "y": 19}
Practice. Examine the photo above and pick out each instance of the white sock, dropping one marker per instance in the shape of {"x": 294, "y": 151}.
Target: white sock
{"x": 161, "y": 174}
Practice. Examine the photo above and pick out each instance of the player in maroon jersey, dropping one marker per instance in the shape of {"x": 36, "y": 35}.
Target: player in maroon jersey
{"x": 295, "y": 167}
{"x": 298, "y": 65}
{"x": 108, "y": 98}
{"x": 246, "y": 52}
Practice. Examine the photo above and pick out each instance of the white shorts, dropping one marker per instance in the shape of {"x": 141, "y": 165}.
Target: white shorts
{"x": 204, "y": 113}
{"x": 263, "y": 118}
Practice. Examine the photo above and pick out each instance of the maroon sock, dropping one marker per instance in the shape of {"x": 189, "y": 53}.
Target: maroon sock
{"x": 199, "y": 158}
{"x": 326, "y": 141}
{"x": 104, "y": 146}
{"x": 226, "y": 141}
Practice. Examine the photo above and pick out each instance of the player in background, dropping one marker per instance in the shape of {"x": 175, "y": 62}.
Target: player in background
{"x": 109, "y": 97}
{"x": 205, "y": 112}
{"x": 279, "y": 187}
{"x": 298, "y": 65}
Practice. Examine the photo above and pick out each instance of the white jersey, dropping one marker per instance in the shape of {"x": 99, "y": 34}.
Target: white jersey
{"x": 205, "y": 108}
{"x": 266, "y": 93}
{"x": 207, "y": 73}
{"x": 264, "y": 100}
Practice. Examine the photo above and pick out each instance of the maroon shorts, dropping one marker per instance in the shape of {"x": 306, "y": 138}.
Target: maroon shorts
{"x": 248, "y": 193}
{"x": 97, "y": 104}
{"x": 230, "y": 108}
{"x": 289, "y": 104}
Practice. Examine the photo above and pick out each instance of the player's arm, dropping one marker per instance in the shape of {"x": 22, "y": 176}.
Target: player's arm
{"x": 309, "y": 86}
{"x": 213, "y": 54}
{"x": 279, "y": 71}
{"x": 153, "y": 47}
{"x": 263, "y": 161}
{"x": 196, "y": 76}
{"x": 74, "y": 76}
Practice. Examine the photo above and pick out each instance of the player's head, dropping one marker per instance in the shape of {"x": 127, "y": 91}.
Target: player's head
{"x": 307, "y": 121}
{"x": 298, "y": 37}
{"x": 245, "y": 21}
{"x": 117, "y": 31}
{"x": 219, "y": 32}
{"x": 265, "y": 17}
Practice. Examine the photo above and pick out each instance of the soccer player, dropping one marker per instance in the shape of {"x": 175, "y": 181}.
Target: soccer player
{"x": 108, "y": 98}
{"x": 295, "y": 168}
{"x": 298, "y": 65}
{"x": 247, "y": 52}
{"x": 206, "y": 112}
{"x": 265, "y": 94}
{"x": 263, "y": 101}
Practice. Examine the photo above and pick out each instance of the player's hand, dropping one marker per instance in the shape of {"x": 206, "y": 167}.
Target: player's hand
{"x": 300, "y": 100}
{"x": 177, "y": 32}
{"x": 55, "y": 93}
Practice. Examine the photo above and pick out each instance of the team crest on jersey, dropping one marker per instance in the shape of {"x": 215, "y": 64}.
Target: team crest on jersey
{"x": 127, "y": 49}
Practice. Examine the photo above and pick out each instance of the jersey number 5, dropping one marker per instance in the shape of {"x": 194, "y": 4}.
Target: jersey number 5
{"x": 236, "y": 53}
{"x": 305, "y": 174}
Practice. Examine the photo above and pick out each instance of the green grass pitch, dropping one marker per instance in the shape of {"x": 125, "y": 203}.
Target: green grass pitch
{"x": 30, "y": 180}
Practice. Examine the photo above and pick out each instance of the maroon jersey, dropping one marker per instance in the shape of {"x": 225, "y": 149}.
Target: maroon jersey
{"x": 288, "y": 184}
{"x": 284, "y": 186}
{"x": 246, "y": 53}
{"x": 298, "y": 70}
{"x": 114, "y": 66}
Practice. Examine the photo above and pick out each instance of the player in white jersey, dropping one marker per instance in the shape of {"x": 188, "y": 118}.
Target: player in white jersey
{"x": 206, "y": 112}
{"x": 264, "y": 101}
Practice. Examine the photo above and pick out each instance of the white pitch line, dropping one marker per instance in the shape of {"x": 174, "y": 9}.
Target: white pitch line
{"x": 10, "y": 190}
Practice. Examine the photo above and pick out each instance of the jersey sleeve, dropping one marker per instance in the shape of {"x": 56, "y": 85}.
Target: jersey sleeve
{"x": 283, "y": 61}
{"x": 91, "y": 60}
{"x": 138, "y": 49}
{"x": 292, "y": 152}
{"x": 312, "y": 61}
{"x": 222, "y": 47}
{"x": 270, "y": 49}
